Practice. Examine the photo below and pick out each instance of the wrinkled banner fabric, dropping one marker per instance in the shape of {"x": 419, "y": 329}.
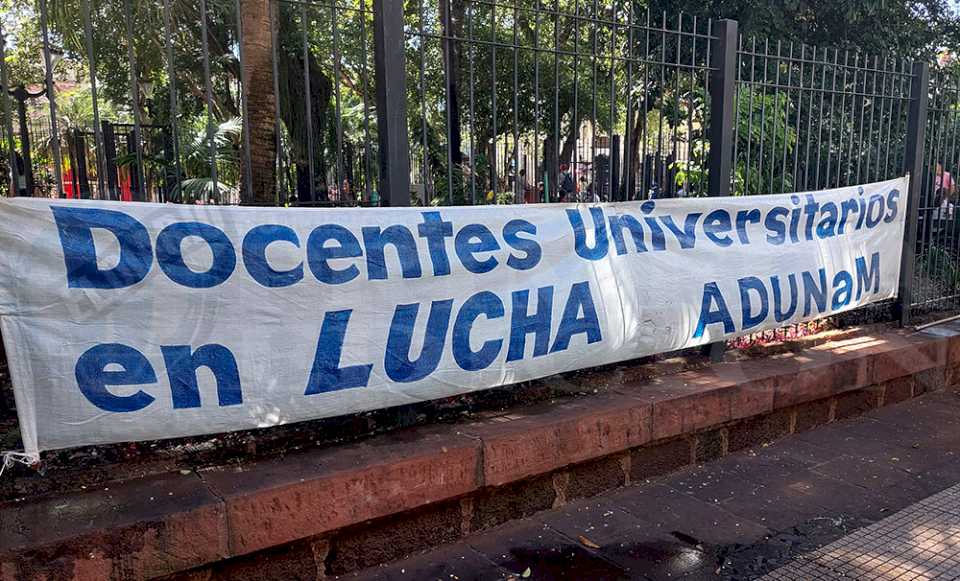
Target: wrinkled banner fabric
{"x": 127, "y": 322}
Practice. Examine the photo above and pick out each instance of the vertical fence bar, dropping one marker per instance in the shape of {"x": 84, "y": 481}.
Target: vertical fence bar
{"x": 110, "y": 159}
{"x": 365, "y": 84}
{"x": 307, "y": 104}
{"x": 554, "y": 171}
{"x": 245, "y": 117}
{"x": 613, "y": 194}
{"x": 473, "y": 112}
{"x": 172, "y": 89}
{"x": 92, "y": 66}
{"x": 913, "y": 165}
{"x": 494, "y": 180}
{"x": 7, "y": 114}
{"x": 280, "y": 183}
{"x": 208, "y": 92}
{"x": 722, "y": 88}
{"x": 629, "y": 143}
{"x": 517, "y": 189}
{"x": 335, "y": 33}
{"x": 421, "y": 75}
{"x": 450, "y": 87}
{"x": 391, "y": 102}
{"x": 52, "y": 98}
{"x": 538, "y": 168}
{"x": 135, "y": 102}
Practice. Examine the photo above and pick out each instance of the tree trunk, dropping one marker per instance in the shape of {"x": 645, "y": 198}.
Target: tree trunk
{"x": 261, "y": 102}
{"x": 451, "y": 23}
{"x": 569, "y": 142}
{"x": 293, "y": 107}
{"x": 628, "y": 185}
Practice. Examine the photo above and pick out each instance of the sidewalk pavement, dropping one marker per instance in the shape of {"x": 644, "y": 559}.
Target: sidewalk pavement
{"x": 745, "y": 515}
{"x": 921, "y": 541}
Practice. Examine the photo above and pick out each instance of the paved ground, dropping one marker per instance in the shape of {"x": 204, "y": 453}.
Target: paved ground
{"x": 921, "y": 541}
{"x": 743, "y": 516}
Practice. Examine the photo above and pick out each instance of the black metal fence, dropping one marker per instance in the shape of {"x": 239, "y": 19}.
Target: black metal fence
{"x": 542, "y": 103}
{"x": 936, "y": 276}
{"x": 431, "y": 102}
{"x": 810, "y": 118}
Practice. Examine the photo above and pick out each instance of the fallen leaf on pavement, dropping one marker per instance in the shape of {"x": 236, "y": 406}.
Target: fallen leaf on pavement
{"x": 588, "y": 543}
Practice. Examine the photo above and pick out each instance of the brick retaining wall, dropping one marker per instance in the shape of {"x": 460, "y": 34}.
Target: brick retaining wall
{"x": 331, "y": 511}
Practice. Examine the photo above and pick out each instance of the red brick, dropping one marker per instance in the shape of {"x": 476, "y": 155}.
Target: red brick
{"x": 820, "y": 374}
{"x": 933, "y": 379}
{"x": 856, "y": 403}
{"x": 688, "y": 402}
{"x": 758, "y": 430}
{"x": 953, "y": 349}
{"x": 139, "y": 529}
{"x": 547, "y": 437}
{"x": 496, "y": 505}
{"x": 710, "y": 445}
{"x": 952, "y": 377}
{"x": 751, "y": 384}
{"x": 591, "y": 478}
{"x": 394, "y": 537}
{"x": 898, "y": 390}
{"x": 301, "y": 495}
{"x": 813, "y": 414}
{"x": 658, "y": 459}
{"x": 899, "y": 357}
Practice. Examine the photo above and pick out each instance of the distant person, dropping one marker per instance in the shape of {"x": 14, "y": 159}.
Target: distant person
{"x": 567, "y": 185}
{"x": 529, "y": 192}
{"x": 581, "y": 188}
{"x": 944, "y": 187}
{"x": 654, "y": 193}
{"x": 21, "y": 176}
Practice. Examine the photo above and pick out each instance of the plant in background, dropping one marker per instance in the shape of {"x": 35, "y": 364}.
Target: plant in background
{"x": 691, "y": 175}
{"x": 765, "y": 138}
{"x": 195, "y": 159}
{"x": 198, "y": 182}
{"x": 940, "y": 267}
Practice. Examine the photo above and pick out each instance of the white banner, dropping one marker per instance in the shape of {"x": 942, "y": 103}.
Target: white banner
{"x": 130, "y": 322}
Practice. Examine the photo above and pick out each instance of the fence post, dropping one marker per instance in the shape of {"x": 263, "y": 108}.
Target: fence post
{"x": 81, "y": 182}
{"x": 137, "y": 179}
{"x": 110, "y": 159}
{"x": 614, "y": 170}
{"x": 913, "y": 165}
{"x": 723, "y": 86}
{"x": 723, "y": 79}
{"x": 389, "y": 62}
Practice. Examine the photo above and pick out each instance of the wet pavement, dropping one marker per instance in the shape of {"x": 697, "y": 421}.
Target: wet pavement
{"x": 740, "y": 517}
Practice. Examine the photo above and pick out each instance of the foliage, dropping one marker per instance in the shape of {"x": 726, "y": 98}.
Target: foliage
{"x": 765, "y": 137}
{"x": 909, "y": 28}
{"x": 546, "y": 89}
{"x": 75, "y": 109}
{"x": 938, "y": 264}
{"x": 195, "y": 157}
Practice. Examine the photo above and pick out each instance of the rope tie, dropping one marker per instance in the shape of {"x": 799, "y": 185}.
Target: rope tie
{"x": 12, "y": 457}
